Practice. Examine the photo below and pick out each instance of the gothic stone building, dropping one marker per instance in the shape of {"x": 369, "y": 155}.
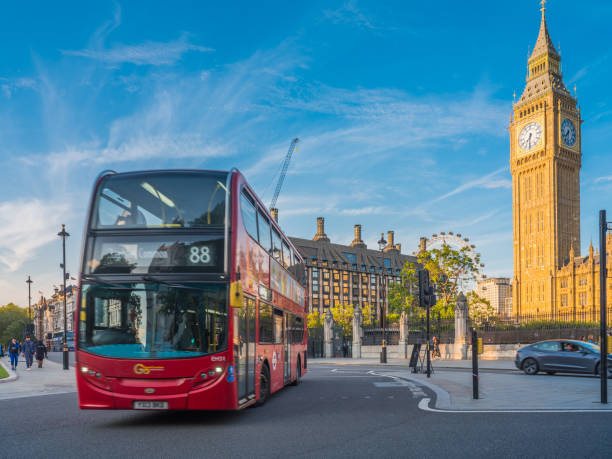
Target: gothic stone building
{"x": 545, "y": 159}
{"x": 349, "y": 274}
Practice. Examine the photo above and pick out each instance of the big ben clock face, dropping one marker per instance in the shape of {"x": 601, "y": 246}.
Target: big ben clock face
{"x": 530, "y": 136}
{"x": 568, "y": 132}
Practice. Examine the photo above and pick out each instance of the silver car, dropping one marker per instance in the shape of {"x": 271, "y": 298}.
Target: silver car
{"x": 564, "y": 356}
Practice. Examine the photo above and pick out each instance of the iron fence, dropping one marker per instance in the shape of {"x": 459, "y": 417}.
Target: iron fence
{"x": 529, "y": 328}
{"x": 315, "y": 342}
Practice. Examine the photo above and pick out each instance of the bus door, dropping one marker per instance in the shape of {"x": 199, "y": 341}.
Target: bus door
{"x": 244, "y": 349}
{"x": 287, "y": 349}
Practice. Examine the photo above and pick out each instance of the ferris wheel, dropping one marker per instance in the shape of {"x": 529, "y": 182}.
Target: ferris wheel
{"x": 456, "y": 241}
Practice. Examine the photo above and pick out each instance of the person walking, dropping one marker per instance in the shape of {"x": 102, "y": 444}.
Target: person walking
{"x": 13, "y": 351}
{"x": 436, "y": 348}
{"x": 41, "y": 353}
{"x": 28, "y": 348}
{"x": 344, "y": 348}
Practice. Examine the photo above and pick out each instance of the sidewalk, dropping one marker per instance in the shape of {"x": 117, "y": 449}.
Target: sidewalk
{"x": 51, "y": 379}
{"x": 503, "y": 391}
{"x": 509, "y": 391}
{"x": 436, "y": 364}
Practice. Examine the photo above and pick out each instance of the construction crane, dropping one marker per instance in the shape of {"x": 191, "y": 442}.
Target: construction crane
{"x": 281, "y": 178}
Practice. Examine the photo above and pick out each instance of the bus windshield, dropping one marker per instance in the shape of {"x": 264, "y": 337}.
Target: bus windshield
{"x": 153, "y": 320}
{"x": 170, "y": 199}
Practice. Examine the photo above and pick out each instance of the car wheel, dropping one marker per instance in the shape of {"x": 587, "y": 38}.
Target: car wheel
{"x": 530, "y": 367}
{"x": 551, "y": 372}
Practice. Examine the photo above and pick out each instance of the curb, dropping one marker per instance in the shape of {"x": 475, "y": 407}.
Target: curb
{"x": 405, "y": 365}
{"x": 13, "y": 376}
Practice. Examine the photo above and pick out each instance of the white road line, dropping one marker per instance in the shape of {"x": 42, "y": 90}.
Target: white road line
{"x": 424, "y": 405}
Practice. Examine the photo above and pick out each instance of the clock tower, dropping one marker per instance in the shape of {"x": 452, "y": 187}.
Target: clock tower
{"x": 545, "y": 159}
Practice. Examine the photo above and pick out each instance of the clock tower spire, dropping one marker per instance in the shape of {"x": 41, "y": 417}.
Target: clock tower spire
{"x": 545, "y": 160}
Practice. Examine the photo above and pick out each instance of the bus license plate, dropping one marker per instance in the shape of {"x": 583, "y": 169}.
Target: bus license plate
{"x": 150, "y": 405}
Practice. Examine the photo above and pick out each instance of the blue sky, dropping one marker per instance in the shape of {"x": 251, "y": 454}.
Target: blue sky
{"x": 401, "y": 108}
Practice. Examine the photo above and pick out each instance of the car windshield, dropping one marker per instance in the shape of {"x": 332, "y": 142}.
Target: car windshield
{"x": 153, "y": 320}
{"x": 160, "y": 200}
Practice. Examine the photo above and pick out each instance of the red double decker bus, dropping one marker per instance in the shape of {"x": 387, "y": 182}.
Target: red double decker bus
{"x": 190, "y": 295}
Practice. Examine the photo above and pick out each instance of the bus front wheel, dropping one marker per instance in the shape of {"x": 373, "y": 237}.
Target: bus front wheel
{"x": 298, "y": 373}
{"x": 264, "y": 385}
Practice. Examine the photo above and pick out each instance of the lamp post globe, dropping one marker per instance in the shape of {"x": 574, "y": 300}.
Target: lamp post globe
{"x": 381, "y": 246}
{"x": 64, "y": 234}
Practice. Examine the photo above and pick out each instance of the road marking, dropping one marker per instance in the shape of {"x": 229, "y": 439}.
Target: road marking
{"x": 391, "y": 384}
{"x": 424, "y": 405}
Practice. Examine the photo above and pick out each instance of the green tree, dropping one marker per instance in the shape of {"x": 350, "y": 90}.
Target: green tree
{"x": 480, "y": 309}
{"x": 402, "y": 294}
{"x": 314, "y": 319}
{"x": 13, "y": 320}
{"x": 448, "y": 267}
{"x": 367, "y": 312}
{"x": 343, "y": 318}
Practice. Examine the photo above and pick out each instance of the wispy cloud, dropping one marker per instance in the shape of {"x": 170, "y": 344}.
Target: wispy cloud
{"x": 9, "y": 85}
{"x": 147, "y": 53}
{"x": 349, "y": 13}
{"x": 586, "y": 69}
{"x": 486, "y": 181}
{"x": 26, "y": 225}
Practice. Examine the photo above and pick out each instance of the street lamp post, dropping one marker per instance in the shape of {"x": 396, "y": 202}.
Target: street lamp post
{"x": 63, "y": 234}
{"x": 383, "y": 352}
{"x": 29, "y": 282}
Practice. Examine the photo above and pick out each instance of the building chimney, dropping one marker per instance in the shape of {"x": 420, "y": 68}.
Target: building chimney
{"x": 274, "y": 213}
{"x": 422, "y": 244}
{"x": 390, "y": 243}
{"x": 357, "y": 242}
{"x": 320, "y": 236}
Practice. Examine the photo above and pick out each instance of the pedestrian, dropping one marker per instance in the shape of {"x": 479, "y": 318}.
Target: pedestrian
{"x": 1, "y": 350}
{"x": 41, "y": 353}
{"x": 28, "y": 350}
{"x": 436, "y": 348}
{"x": 582, "y": 338}
{"x": 13, "y": 351}
{"x": 344, "y": 348}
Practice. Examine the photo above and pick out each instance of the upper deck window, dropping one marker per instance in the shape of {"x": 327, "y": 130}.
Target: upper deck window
{"x": 160, "y": 200}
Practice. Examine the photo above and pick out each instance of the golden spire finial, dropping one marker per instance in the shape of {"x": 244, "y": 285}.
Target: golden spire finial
{"x": 543, "y": 3}
{"x": 575, "y": 88}
{"x": 513, "y": 97}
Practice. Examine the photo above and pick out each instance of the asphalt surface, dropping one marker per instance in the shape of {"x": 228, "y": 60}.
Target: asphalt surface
{"x": 335, "y": 412}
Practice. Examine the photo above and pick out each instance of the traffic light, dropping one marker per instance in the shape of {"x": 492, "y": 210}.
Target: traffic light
{"x": 427, "y": 298}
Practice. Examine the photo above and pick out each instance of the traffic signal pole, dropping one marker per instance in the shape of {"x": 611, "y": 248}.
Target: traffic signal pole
{"x": 603, "y": 303}
{"x": 428, "y": 347}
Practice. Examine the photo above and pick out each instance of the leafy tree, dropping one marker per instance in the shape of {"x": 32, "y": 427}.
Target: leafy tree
{"x": 480, "y": 309}
{"x": 368, "y": 314}
{"x": 314, "y": 319}
{"x": 447, "y": 268}
{"x": 13, "y": 320}
{"x": 343, "y": 317}
{"x": 402, "y": 297}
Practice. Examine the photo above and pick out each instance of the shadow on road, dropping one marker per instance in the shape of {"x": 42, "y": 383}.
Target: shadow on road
{"x": 176, "y": 418}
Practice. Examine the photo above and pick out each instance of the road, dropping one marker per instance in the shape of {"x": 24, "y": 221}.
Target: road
{"x": 336, "y": 412}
